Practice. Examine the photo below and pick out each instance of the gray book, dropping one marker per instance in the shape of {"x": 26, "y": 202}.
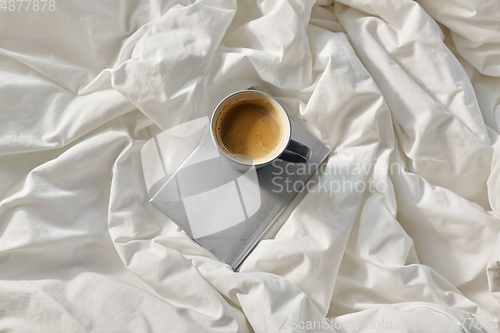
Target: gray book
{"x": 228, "y": 211}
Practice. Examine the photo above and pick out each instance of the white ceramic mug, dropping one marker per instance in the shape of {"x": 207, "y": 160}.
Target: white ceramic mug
{"x": 290, "y": 150}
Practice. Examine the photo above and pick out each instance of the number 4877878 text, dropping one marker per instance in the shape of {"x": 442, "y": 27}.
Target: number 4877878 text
{"x": 34, "y": 5}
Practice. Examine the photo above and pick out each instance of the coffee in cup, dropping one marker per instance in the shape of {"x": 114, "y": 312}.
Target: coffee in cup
{"x": 250, "y": 129}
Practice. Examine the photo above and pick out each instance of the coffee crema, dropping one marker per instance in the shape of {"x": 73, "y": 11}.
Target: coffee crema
{"x": 250, "y": 128}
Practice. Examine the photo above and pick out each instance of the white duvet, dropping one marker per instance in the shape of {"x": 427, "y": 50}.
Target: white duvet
{"x": 407, "y": 91}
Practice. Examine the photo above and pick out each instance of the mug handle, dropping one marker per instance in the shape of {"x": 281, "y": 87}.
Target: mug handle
{"x": 296, "y": 152}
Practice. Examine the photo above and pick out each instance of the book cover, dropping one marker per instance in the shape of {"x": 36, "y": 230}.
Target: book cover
{"x": 227, "y": 210}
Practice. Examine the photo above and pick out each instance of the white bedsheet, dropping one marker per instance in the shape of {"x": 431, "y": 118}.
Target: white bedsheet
{"x": 387, "y": 84}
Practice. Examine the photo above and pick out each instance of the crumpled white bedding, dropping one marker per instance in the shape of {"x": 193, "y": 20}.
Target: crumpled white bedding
{"x": 409, "y": 89}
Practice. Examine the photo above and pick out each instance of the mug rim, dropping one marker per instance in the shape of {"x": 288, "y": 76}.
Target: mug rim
{"x": 282, "y": 149}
